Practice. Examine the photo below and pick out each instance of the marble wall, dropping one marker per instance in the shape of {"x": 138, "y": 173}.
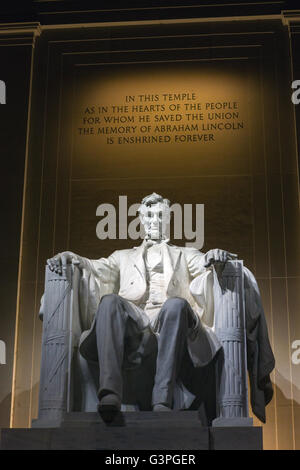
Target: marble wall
{"x": 246, "y": 179}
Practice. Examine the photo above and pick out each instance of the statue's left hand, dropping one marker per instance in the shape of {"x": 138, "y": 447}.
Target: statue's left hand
{"x": 218, "y": 256}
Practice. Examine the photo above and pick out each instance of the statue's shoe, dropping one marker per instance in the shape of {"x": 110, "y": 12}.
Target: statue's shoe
{"x": 161, "y": 407}
{"x": 110, "y": 402}
{"x": 109, "y": 407}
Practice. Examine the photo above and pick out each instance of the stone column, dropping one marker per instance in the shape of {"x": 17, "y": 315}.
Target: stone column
{"x": 61, "y": 324}
{"x": 230, "y": 328}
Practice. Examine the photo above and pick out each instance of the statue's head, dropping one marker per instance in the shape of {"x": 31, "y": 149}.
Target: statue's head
{"x": 155, "y": 216}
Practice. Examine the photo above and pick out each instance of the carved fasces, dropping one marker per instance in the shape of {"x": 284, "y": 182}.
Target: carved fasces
{"x": 59, "y": 315}
{"x": 230, "y": 329}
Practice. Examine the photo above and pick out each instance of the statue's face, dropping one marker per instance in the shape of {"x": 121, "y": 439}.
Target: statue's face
{"x": 155, "y": 219}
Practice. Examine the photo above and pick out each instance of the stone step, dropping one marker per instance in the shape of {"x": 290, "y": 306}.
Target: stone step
{"x": 138, "y": 431}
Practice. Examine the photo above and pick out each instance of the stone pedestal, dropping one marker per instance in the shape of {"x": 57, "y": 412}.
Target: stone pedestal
{"x": 176, "y": 431}
{"x": 236, "y": 438}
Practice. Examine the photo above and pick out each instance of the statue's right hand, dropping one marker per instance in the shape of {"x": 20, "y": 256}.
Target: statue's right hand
{"x": 60, "y": 261}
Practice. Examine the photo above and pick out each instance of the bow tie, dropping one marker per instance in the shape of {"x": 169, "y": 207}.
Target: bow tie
{"x": 150, "y": 242}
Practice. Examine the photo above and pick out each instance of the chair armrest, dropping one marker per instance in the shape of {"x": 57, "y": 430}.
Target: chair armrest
{"x": 61, "y": 331}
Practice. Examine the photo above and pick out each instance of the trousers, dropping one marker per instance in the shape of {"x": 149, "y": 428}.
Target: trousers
{"x": 136, "y": 361}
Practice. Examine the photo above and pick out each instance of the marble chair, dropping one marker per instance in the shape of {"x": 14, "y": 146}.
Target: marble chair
{"x": 68, "y": 383}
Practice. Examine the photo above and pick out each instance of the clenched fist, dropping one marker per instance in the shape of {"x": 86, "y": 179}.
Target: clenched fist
{"x": 217, "y": 256}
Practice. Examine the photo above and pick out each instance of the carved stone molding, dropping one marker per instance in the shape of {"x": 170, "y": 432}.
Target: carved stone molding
{"x": 16, "y": 34}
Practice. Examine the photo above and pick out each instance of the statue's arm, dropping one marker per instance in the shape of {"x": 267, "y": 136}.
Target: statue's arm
{"x": 59, "y": 262}
{"x": 198, "y": 261}
{"x": 105, "y": 269}
{"x": 195, "y": 261}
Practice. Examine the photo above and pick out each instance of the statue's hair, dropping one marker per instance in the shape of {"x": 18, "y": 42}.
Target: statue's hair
{"x": 152, "y": 199}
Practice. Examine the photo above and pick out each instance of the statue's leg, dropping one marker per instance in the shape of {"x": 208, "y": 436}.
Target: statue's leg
{"x": 120, "y": 344}
{"x": 139, "y": 381}
{"x": 175, "y": 319}
{"x": 110, "y": 333}
{"x": 201, "y": 382}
